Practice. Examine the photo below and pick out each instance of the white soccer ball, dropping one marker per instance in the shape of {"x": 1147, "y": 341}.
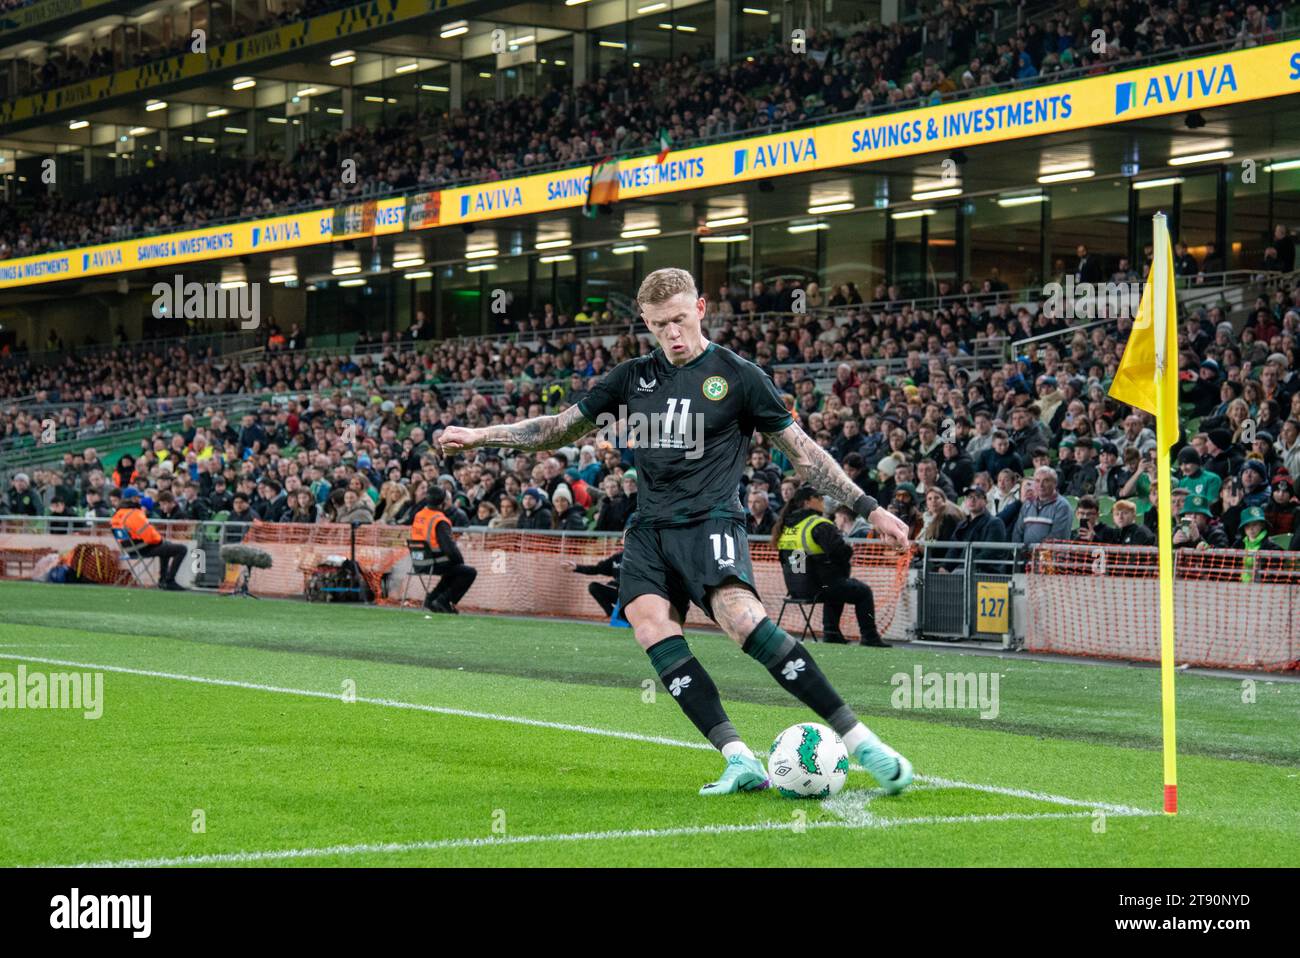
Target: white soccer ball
{"x": 808, "y": 761}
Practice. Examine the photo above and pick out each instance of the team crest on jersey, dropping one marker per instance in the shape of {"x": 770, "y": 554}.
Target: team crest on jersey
{"x": 715, "y": 388}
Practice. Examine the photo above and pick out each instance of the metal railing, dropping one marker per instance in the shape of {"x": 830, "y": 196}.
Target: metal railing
{"x": 219, "y": 343}
{"x": 1201, "y": 291}
{"x": 948, "y": 586}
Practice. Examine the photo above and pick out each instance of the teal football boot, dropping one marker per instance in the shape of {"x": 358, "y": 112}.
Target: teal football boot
{"x": 742, "y": 774}
{"x": 890, "y": 770}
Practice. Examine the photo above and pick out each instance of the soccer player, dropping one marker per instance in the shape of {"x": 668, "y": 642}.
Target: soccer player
{"x": 692, "y": 407}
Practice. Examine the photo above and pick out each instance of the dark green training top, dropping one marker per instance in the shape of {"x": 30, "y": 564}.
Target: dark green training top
{"x": 689, "y": 427}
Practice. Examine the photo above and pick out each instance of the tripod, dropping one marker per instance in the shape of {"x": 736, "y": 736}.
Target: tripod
{"x": 241, "y": 588}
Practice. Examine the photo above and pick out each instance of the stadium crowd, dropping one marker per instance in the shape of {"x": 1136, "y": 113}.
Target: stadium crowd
{"x": 1023, "y": 451}
{"x": 865, "y": 69}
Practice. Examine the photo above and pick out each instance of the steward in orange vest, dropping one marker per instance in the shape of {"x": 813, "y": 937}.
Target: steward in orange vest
{"x": 434, "y": 551}
{"x": 140, "y": 535}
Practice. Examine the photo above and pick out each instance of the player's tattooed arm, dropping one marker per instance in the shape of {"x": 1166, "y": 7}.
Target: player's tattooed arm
{"x": 529, "y": 435}
{"x": 814, "y": 465}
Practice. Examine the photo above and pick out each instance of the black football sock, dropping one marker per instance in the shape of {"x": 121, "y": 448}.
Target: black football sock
{"x": 792, "y": 665}
{"x": 693, "y": 690}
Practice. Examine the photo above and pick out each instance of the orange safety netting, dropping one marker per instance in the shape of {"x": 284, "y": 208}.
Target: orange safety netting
{"x": 1232, "y": 608}
{"x": 521, "y": 573}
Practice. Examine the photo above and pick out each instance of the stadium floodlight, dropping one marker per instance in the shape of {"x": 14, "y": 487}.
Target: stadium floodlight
{"x": 486, "y": 252}
{"x": 480, "y": 267}
{"x": 419, "y": 274}
{"x": 237, "y": 130}
{"x": 353, "y": 282}
{"x": 726, "y": 221}
{"x": 652, "y": 7}
{"x": 1284, "y": 165}
{"x": 729, "y": 238}
{"x": 334, "y": 110}
{"x": 937, "y": 194}
{"x": 282, "y": 278}
{"x": 912, "y": 214}
{"x": 217, "y": 111}
{"x": 343, "y": 58}
{"x": 454, "y": 29}
{"x": 374, "y": 99}
{"x": 345, "y": 270}
{"x": 1153, "y": 184}
{"x": 523, "y": 41}
{"x": 552, "y": 244}
{"x": 555, "y": 258}
{"x": 1065, "y": 176}
{"x": 639, "y": 231}
{"x": 1189, "y": 158}
{"x": 307, "y": 91}
{"x": 243, "y": 83}
{"x": 408, "y": 67}
{"x": 78, "y": 124}
{"x": 406, "y": 261}
{"x": 633, "y": 248}
{"x": 807, "y": 227}
{"x": 137, "y": 131}
{"x": 1025, "y": 200}
{"x": 234, "y": 283}
{"x": 153, "y": 106}
{"x": 755, "y": 11}
{"x": 434, "y": 88}
{"x": 613, "y": 44}
{"x": 685, "y": 28}
{"x": 575, "y": 3}
{"x": 843, "y": 206}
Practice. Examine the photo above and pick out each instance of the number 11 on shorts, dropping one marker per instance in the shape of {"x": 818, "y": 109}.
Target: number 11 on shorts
{"x": 718, "y": 539}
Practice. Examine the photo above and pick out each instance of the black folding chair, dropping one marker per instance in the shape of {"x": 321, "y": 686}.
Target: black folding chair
{"x": 424, "y": 562}
{"x": 137, "y": 564}
{"x": 807, "y": 608}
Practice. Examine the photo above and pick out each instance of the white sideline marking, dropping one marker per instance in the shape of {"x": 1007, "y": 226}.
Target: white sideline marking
{"x": 387, "y": 703}
{"x": 560, "y": 726}
{"x": 242, "y": 858}
{"x": 853, "y": 815}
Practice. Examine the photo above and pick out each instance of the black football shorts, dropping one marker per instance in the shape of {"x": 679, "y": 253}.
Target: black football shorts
{"x": 683, "y": 563}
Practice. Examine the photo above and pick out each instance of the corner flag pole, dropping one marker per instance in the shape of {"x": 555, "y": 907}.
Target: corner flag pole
{"x": 1166, "y": 434}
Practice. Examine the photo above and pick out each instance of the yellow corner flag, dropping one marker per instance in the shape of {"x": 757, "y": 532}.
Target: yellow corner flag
{"x": 1148, "y": 379}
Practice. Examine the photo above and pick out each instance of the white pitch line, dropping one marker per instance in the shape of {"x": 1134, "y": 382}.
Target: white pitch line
{"x": 386, "y": 703}
{"x": 1046, "y": 797}
{"x": 1036, "y": 796}
{"x": 391, "y": 848}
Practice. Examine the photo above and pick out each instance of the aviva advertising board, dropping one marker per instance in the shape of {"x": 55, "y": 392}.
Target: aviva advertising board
{"x": 1221, "y": 80}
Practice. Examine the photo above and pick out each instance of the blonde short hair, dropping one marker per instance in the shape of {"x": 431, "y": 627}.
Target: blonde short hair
{"x": 663, "y": 284}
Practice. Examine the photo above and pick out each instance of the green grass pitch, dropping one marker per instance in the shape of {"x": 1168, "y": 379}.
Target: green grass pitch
{"x": 226, "y": 739}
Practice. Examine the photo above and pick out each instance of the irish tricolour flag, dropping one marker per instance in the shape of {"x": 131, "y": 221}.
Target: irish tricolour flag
{"x": 603, "y": 188}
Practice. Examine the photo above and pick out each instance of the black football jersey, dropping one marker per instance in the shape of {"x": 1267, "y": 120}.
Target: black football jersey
{"x": 689, "y": 428}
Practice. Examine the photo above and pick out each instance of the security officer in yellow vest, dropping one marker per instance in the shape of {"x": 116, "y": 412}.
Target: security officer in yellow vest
{"x": 815, "y": 561}
{"x": 432, "y": 528}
